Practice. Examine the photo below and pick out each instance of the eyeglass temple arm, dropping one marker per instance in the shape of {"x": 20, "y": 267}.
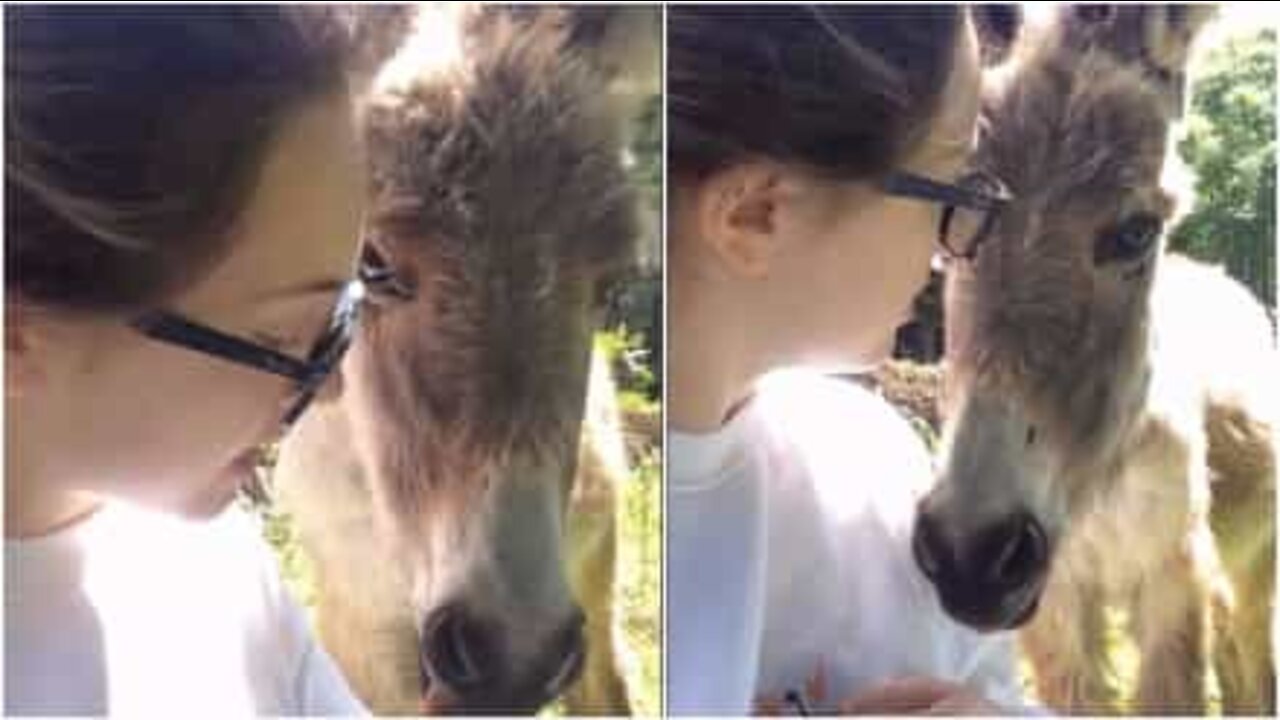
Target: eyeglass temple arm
{"x": 166, "y": 326}
{"x": 922, "y": 187}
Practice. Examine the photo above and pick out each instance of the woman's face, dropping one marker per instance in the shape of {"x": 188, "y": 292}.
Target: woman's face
{"x": 177, "y": 429}
{"x": 860, "y": 256}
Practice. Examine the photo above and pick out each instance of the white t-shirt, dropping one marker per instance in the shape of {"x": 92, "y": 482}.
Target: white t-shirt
{"x": 138, "y": 614}
{"x": 789, "y": 547}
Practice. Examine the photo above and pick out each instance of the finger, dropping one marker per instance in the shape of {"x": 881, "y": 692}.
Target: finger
{"x": 965, "y": 702}
{"x": 768, "y": 706}
{"x": 816, "y": 688}
{"x": 906, "y": 695}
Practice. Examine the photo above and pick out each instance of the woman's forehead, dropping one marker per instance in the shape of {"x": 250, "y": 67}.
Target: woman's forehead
{"x": 953, "y": 130}
{"x": 302, "y": 220}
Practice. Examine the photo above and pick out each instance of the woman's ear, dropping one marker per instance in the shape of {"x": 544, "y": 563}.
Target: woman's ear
{"x": 736, "y": 214}
{"x": 23, "y": 341}
{"x": 46, "y": 348}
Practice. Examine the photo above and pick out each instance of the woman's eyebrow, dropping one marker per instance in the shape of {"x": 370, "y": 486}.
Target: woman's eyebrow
{"x": 326, "y": 285}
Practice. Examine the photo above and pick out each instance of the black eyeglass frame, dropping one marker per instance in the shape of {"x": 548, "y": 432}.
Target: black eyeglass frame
{"x": 951, "y": 196}
{"x": 308, "y": 375}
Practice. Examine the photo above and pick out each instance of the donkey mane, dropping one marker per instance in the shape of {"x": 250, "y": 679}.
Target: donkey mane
{"x": 519, "y": 120}
{"x": 504, "y": 165}
{"x": 1068, "y": 127}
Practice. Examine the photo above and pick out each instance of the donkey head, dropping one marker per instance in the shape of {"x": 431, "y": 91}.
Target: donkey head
{"x": 500, "y": 212}
{"x": 1047, "y": 329}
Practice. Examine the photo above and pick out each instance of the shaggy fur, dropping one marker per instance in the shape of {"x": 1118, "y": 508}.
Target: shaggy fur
{"x": 441, "y": 477}
{"x": 1120, "y": 402}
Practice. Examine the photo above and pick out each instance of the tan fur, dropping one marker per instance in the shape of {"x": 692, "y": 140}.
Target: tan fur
{"x": 592, "y": 541}
{"x": 364, "y": 615}
{"x": 440, "y": 480}
{"x": 1154, "y": 468}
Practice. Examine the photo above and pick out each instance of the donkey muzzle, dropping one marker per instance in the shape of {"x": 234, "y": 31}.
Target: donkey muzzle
{"x": 466, "y": 669}
{"x": 990, "y": 579}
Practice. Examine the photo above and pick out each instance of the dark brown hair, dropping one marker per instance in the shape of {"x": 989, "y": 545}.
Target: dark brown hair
{"x": 843, "y": 90}
{"x": 134, "y": 135}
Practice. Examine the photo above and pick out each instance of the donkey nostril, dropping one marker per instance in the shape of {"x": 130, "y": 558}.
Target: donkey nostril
{"x": 1021, "y": 556}
{"x": 453, "y": 649}
{"x": 924, "y": 545}
{"x": 572, "y": 649}
{"x": 569, "y": 670}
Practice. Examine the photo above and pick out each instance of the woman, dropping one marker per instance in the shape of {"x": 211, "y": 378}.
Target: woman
{"x": 183, "y": 196}
{"x": 817, "y": 159}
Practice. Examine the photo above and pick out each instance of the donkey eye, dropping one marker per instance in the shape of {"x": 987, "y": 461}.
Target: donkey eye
{"x": 1129, "y": 240}
{"x": 380, "y": 278}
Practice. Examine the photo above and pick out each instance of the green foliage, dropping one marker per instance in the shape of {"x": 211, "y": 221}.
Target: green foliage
{"x": 638, "y": 588}
{"x": 637, "y": 385}
{"x": 640, "y": 582}
{"x": 1230, "y": 143}
{"x": 295, "y": 566}
{"x": 646, "y": 149}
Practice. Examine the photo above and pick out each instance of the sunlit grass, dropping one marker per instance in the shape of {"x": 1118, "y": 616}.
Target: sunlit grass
{"x": 295, "y": 565}
{"x": 640, "y": 583}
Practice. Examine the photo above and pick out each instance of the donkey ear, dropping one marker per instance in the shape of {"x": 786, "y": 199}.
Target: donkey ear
{"x": 1160, "y": 35}
{"x": 1170, "y": 33}
{"x": 1093, "y": 25}
{"x": 1170, "y": 30}
{"x": 997, "y": 27}
{"x": 1155, "y": 39}
{"x": 1093, "y": 15}
{"x": 624, "y": 43}
{"x": 376, "y": 32}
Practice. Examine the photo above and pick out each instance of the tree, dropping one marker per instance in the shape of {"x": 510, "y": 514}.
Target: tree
{"x": 1230, "y": 143}
{"x": 634, "y": 306}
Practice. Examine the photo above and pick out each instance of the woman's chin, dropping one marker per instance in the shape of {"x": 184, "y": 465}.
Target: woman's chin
{"x": 220, "y": 493}
{"x": 211, "y": 505}
{"x": 867, "y": 355}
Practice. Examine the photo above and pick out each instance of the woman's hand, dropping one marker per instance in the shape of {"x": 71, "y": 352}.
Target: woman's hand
{"x": 903, "y": 696}
{"x": 919, "y": 696}
{"x": 815, "y": 691}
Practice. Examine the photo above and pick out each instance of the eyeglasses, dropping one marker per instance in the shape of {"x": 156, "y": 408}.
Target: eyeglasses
{"x": 970, "y": 207}
{"x": 308, "y": 374}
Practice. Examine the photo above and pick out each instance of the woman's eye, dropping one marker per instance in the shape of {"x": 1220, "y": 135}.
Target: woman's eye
{"x": 380, "y": 277}
{"x": 1130, "y": 240}
{"x": 274, "y": 342}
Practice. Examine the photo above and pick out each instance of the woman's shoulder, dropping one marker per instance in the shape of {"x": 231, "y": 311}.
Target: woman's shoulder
{"x": 157, "y": 589}
{"x": 800, "y": 394}
{"x": 839, "y": 425}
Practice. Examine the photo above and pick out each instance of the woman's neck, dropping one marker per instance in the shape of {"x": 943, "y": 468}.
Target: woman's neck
{"x": 712, "y": 363}
{"x": 26, "y": 518}
{"x": 34, "y": 504}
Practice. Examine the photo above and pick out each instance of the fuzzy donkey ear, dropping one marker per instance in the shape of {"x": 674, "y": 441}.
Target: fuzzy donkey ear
{"x": 624, "y": 42}
{"x": 997, "y": 27}
{"x": 376, "y": 32}
{"x": 1158, "y": 34}
{"x": 1156, "y": 39}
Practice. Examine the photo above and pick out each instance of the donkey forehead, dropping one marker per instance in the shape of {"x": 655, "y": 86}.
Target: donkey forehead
{"x": 1080, "y": 142}
{"x": 1082, "y": 130}
{"x": 512, "y": 151}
